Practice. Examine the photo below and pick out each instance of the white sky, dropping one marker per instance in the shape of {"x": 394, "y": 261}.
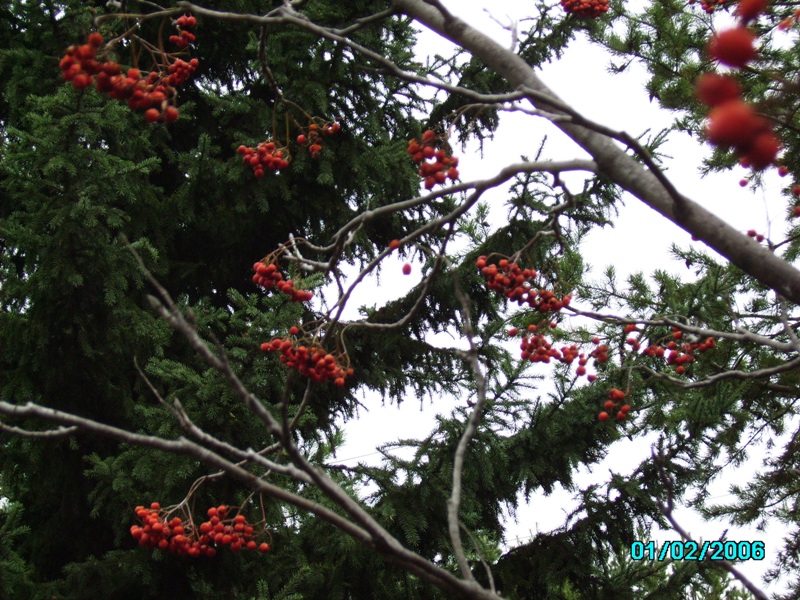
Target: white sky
{"x": 639, "y": 241}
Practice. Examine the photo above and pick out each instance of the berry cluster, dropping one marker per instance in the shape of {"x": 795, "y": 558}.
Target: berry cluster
{"x": 678, "y": 353}
{"x": 615, "y": 403}
{"x": 537, "y": 348}
{"x": 585, "y": 8}
{"x": 179, "y": 536}
{"x": 435, "y": 164}
{"x": 732, "y": 123}
{"x": 264, "y": 156}
{"x": 155, "y": 94}
{"x": 754, "y": 234}
{"x": 311, "y": 361}
{"x": 185, "y": 36}
{"x": 507, "y": 278}
{"x": 312, "y": 136}
{"x": 269, "y": 276}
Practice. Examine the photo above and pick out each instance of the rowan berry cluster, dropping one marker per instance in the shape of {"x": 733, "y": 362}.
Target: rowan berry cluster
{"x": 585, "y": 8}
{"x": 435, "y": 164}
{"x": 155, "y": 94}
{"x": 614, "y": 403}
{"x": 185, "y": 36}
{"x": 313, "y": 134}
{"x": 269, "y": 276}
{"x": 264, "y": 156}
{"x": 182, "y": 537}
{"x": 537, "y": 348}
{"x": 733, "y": 123}
{"x": 678, "y": 353}
{"x": 311, "y": 361}
{"x": 516, "y": 284}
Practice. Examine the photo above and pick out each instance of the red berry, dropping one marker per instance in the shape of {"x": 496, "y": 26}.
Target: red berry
{"x": 796, "y": 211}
{"x": 734, "y": 123}
{"x": 301, "y": 139}
{"x": 763, "y": 150}
{"x": 603, "y": 416}
{"x": 394, "y": 244}
{"x": 751, "y": 232}
{"x": 151, "y": 115}
{"x": 95, "y": 39}
{"x": 783, "y": 171}
{"x": 171, "y": 114}
{"x": 733, "y": 47}
{"x": 713, "y": 89}
{"x": 750, "y": 9}
{"x": 406, "y": 269}
{"x": 263, "y": 547}
{"x": 743, "y": 182}
{"x": 796, "y": 190}
{"x": 621, "y": 416}
{"x": 512, "y": 332}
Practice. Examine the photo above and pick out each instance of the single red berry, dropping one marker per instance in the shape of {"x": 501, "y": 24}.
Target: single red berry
{"x": 263, "y": 547}
{"x": 151, "y": 115}
{"x": 713, "y": 89}
{"x": 603, "y": 416}
{"x": 734, "y": 123}
{"x": 733, "y": 47}
{"x": 512, "y": 332}
{"x": 394, "y": 244}
{"x": 294, "y": 330}
{"x": 406, "y": 269}
{"x": 171, "y": 114}
{"x": 609, "y": 405}
{"x": 763, "y": 150}
{"x": 796, "y": 211}
{"x": 621, "y": 416}
{"x": 95, "y": 39}
{"x": 743, "y": 182}
{"x": 783, "y": 171}
{"x": 751, "y": 232}
{"x": 301, "y": 139}
{"x": 796, "y": 190}
{"x": 626, "y": 408}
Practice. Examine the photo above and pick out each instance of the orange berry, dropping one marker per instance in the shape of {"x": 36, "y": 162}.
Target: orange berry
{"x": 750, "y": 9}
{"x": 603, "y": 416}
{"x": 734, "y": 123}
{"x": 713, "y": 89}
{"x": 733, "y": 47}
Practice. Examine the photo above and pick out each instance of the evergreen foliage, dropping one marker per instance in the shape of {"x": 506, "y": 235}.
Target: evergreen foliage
{"x": 80, "y": 173}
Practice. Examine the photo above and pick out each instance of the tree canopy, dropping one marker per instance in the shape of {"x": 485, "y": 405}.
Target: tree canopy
{"x": 190, "y": 196}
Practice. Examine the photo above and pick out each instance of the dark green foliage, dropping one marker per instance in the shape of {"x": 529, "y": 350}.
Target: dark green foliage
{"x": 77, "y": 170}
